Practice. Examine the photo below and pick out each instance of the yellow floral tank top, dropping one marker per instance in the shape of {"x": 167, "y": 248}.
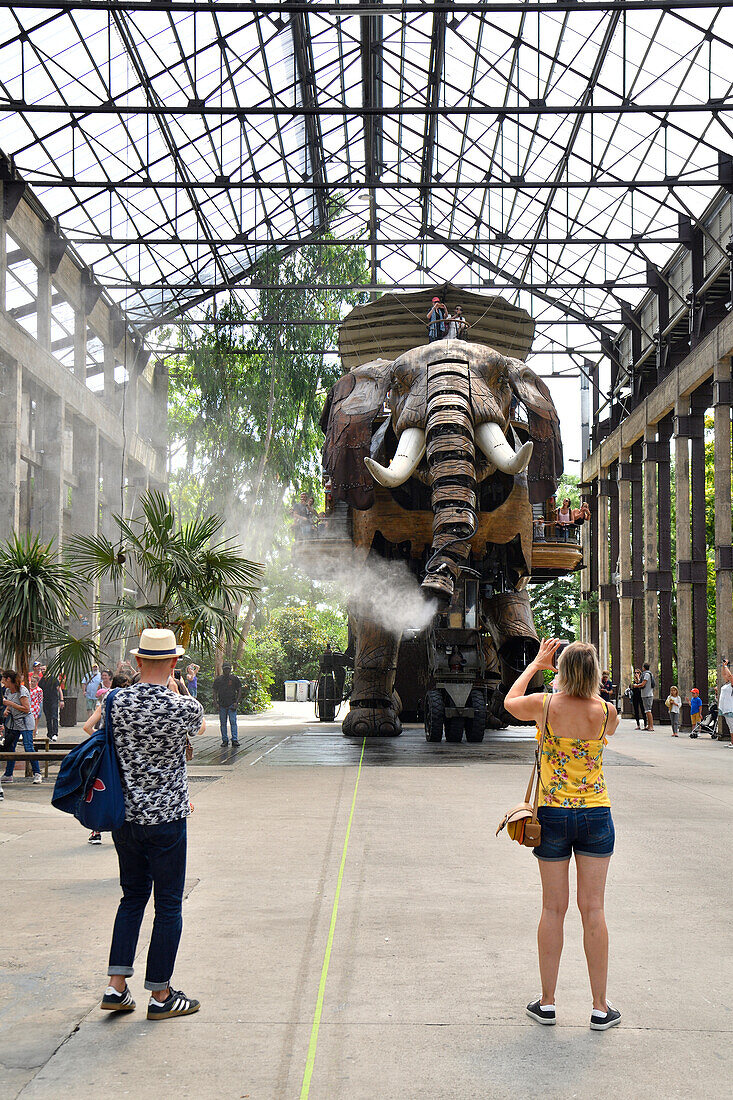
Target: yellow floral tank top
{"x": 571, "y": 770}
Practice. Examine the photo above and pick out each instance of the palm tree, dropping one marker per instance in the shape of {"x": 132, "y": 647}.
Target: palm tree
{"x": 38, "y": 593}
{"x": 169, "y": 575}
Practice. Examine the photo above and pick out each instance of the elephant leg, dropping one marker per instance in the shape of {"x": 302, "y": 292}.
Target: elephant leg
{"x": 374, "y": 706}
{"x": 509, "y": 619}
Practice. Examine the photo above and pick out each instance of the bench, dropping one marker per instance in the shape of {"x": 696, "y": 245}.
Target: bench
{"x": 44, "y": 757}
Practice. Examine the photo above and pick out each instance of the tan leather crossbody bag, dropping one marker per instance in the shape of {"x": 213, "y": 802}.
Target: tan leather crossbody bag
{"x": 522, "y": 823}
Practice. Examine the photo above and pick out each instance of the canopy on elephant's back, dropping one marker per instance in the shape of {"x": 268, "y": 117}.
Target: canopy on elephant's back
{"x": 395, "y": 323}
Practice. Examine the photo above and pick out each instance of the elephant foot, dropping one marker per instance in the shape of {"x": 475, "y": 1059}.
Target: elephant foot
{"x": 372, "y": 721}
{"x": 439, "y": 587}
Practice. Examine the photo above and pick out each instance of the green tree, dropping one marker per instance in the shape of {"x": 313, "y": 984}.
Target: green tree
{"x": 252, "y": 670}
{"x": 290, "y": 641}
{"x": 37, "y": 595}
{"x": 245, "y": 399}
{"x": 556, "y": 607}
{"x": 174, "y": 575}
{"x": 556, "y": 604}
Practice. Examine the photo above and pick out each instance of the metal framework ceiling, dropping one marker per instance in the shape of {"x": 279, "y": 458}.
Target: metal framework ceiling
{"x": 545, "y": 148}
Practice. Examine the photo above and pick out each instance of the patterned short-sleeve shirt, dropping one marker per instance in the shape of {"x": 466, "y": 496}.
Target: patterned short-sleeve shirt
{"x": 150, "y": 725}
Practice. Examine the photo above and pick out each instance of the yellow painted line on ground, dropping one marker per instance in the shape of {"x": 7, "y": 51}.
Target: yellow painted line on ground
{"x": 312, "y": 1046}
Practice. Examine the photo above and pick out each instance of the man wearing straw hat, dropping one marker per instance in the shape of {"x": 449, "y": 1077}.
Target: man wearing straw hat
{"x": 151, "y": 726}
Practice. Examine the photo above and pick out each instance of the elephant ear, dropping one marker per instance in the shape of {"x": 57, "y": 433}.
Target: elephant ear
{"x": 546, "y": 465}
{"x": 347, "y": 418}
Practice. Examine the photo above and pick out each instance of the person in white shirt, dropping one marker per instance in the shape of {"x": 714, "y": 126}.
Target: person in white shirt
{"x": 674, "y": 706}
{"x": 725, "y": 701}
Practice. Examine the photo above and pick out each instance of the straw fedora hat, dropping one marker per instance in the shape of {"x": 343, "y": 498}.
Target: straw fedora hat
{"x": 158, "y": 645}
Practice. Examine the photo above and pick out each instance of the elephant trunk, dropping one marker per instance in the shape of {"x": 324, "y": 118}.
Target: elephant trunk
{"x": 449, "y": 435}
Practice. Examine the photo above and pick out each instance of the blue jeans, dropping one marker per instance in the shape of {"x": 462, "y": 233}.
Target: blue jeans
{"x": 587, "y": 831}
{"x": 151, "y": 858}
{"x": 231, "y": 714}
{"x": 11, "y": 740}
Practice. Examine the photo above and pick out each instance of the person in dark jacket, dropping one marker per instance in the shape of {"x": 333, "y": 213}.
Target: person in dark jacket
{"x": 53, "y": 701}
{"x": 227, "y": 693}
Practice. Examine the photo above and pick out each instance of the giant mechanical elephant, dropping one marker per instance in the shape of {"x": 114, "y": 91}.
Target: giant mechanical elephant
{"x": 429, "y": 455}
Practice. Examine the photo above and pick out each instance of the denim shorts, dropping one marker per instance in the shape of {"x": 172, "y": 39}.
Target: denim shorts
{"x": 585, "y": 831}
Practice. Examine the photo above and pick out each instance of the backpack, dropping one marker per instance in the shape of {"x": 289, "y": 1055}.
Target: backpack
{"x": 88, "y": 784}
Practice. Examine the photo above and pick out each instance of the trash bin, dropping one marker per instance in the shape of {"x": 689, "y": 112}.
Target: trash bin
{"x": 302, "y": 691}
{"x": 67, "y": 713}
{"x": 291, "y": 687}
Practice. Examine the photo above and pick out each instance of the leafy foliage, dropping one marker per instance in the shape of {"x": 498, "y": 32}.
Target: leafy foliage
{"x": 177, "y": 576}
{"x": 252, "y": 670}
{"x": 556, "y": 604}
{"x": 291, "y": 640}
{"x": 245, "y": 399}
{"x": 37, "y": 594}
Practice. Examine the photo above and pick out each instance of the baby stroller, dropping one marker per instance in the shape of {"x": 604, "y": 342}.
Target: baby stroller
{"x": 709, "y": 723}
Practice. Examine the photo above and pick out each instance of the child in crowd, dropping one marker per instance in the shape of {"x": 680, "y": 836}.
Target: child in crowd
{"x": 695, "y": 710}
{"x": 674, "y": 706}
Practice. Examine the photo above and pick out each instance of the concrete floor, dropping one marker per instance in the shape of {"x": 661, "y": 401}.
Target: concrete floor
{"x": 433, "y": 953}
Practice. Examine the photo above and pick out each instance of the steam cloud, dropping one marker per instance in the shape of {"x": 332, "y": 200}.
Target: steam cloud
{"x": 384, "y": 591}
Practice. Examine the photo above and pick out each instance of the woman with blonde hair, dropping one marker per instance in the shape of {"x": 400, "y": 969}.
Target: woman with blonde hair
{"x": 575, "y": 815}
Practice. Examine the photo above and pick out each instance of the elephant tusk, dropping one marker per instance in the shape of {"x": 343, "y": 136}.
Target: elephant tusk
{"x": 492, "y": 441}
{"x": 410, "y": 449}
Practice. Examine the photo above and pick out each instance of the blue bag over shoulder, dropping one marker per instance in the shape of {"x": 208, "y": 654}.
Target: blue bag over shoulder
{"x": 88, "y": 784}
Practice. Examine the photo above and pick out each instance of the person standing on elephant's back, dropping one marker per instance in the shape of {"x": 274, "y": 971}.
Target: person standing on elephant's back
{"x": 436, "y": 320}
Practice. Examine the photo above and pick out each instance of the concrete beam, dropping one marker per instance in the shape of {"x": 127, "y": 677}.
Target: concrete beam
{"x": 695, "y": 368}
{"x": 47, "y": 372}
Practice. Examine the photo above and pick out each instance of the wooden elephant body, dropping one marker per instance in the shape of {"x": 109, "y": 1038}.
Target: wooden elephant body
{"x": 438, "y": 471}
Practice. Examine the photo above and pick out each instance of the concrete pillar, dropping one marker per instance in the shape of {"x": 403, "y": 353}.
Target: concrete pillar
{"x": 160, "y": 399}
{"x": 3, "y": 251}
{"x": 593, "y": 558}
{"x": 651, "y": 555}
{"x": 723, "y": 399}
{"x": 110, "y": 505}
{"x": 84, "y": 519}
{"x": 85, "y": 509}
{"x": 637, "y": 553}
{"x": 130, "y": 396}
{"x": 585, "y": 586}
{"x": 110, "y": 395}
{"x": 604, "y": 610}
{"x": 684, "y": 550}
{"x": 664, "y": 576}
{"x": 80, "y": 345}
{"x": 626, "y": 603}
{"x": 11, "y": 385}
{"x": 47, "y": 509}
{"x": 43, "y": 307}
{"x": 700, "y": 400}
{"x": 614, "y": 540}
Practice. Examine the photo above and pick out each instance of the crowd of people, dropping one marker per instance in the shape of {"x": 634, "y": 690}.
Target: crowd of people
{"x": 21, "y": 706}
{"x": 640, "y": 692}
{"x": 559, "y": 524}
